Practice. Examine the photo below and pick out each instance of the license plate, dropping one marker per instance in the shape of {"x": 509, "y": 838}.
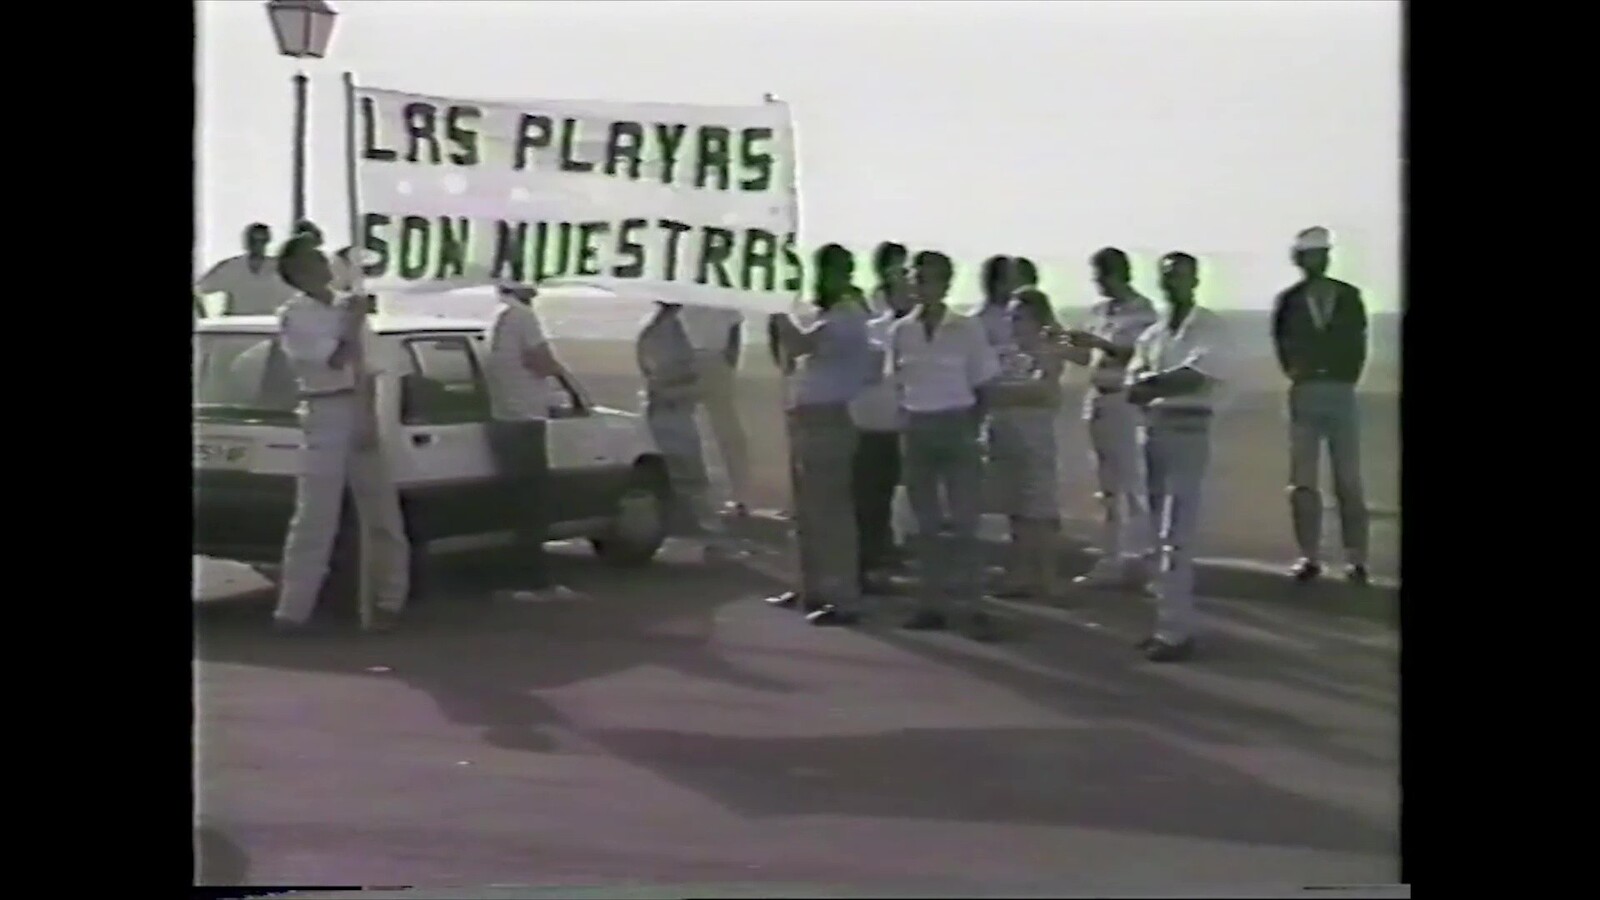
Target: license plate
{"x": 219, "y": 454}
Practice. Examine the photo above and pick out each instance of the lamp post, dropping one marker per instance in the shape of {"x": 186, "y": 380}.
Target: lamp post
{"x": 303, "y": 29}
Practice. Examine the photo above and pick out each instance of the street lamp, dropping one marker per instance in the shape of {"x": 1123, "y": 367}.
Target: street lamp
{"x": 303, "y": 29}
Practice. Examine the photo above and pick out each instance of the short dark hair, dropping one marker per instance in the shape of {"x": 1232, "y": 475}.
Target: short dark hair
{"x": 1178, "y": 256}
{"x": 888, "y": 254}
{"x": 1111, "y": 262}
{"x": 1026, "y": 272}
{"x": 934, "y": 261}
{"x": 253, "y": 227}
{"x": 831, "y": 259}
{"x": 290, "y": 252}
{"x": 1038, "y": 303}
{"x": 995, "y": 274}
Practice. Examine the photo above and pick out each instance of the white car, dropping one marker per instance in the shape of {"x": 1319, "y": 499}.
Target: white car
{"x": 608, "y": 481}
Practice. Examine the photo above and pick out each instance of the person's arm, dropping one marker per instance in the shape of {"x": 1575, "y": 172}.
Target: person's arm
{"x": 215, "y": 279}
{"x": 794, "y": 340}
{"x": 730, "y": 353}
{"x": 983, "y": 365}
{"x": 1360, "y": 336}
{"x": 537, "y": 355}
{"x": 1280, "y": 334}
{"x": 1203, "y": 366}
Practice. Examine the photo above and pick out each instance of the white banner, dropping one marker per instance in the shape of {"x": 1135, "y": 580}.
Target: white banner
{"x": 693, "y": 204}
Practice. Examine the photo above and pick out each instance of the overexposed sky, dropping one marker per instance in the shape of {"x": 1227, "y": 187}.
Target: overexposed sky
{"x": 1042, "y": 128}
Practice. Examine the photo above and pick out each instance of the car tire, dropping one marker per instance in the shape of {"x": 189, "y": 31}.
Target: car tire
{"x": 639, "y": 527}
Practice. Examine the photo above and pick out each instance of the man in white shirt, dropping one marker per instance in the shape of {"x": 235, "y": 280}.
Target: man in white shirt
{"x": 716, "y": 334}
{"x": 326, "y": 343}
{"x": 250, "y": 283}
{"x": 879, "y": 420}
{"x": 941, "y": 362}
{"x": 520, "y": 362}
{"x": 1105, "y": 347}
{"x": 1177, "y": 369}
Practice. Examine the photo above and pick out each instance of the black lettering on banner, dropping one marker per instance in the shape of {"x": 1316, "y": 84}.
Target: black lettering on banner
{"x": 453, "y": 247}
{"x": 796, "y": 278}
{"x": 674, "y": 231}
{"x": 369, "y": 134}
{"x": 756, "y": 159}
{"x": 588, "y": 262}
{"x": 510, "y": 250}
{"x": 458, "y": 127}
{"x": 760, "y": 255}
{"x": 542, "y": 267}
{"x": 533, "y": 132}
{"x": 414, "y": 247}
{"x": 623, "y": 142}
{"x": 712, "y": 156}
{"x": 372, "y": 241}
{"x": 421, "y": 119}
{"x": 569, "y": 138}
{"x": 716, "y": 245}
{"x": 670, "y": 137}
{"x": 629, "y": 249}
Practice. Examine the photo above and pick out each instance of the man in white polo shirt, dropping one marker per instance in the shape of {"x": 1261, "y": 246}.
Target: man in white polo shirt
{"x": 249, "y": 283}
{"x": 520, "y": 362}
{"x": 716, "y": 336}
{"x": 941, "y": 362}
{"x": 1178, "y": 366}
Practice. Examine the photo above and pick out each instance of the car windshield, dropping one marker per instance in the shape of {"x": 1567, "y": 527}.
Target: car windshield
{"x": 242, "y": 377}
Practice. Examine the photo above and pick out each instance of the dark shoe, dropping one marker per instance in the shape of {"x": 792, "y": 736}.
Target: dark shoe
{"x": 1358, "y": 576}
{"x": 1305, "y": 571}
{"x": 1145, "y": 642}
{"x": 1161, "y": 651}
{"x": 830, "y": 615}
{"x": 927, "y": 620}
{"x": 982, "y": 627}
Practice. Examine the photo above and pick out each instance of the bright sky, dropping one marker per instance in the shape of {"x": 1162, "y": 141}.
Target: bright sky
{"x": 1047, "y": 129}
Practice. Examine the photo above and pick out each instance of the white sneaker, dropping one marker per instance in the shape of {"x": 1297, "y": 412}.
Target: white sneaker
{"x": 551, "y": 594}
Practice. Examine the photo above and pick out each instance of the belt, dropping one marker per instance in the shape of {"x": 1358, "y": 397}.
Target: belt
{"x": 319, "y": 395}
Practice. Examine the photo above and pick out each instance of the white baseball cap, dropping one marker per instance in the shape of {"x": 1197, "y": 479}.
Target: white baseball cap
{"x": 1317, "y": 238}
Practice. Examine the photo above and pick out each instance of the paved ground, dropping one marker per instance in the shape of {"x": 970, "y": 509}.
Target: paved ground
{"x": 671, "y": 728}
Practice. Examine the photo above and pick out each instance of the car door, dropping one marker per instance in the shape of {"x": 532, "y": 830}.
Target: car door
{"x": 582, "y": 467}
{"x": 443, "y": 454}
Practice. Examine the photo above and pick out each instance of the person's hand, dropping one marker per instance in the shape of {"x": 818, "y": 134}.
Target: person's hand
{"x": 1082, "y": 339}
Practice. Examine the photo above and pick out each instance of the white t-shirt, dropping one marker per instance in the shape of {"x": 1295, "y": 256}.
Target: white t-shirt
{"x": 257, "y": 292}
{"x": 1200, "y": 343}
{"x": 515, "y": 394}
{"x": 707, "y": 327}
{"x": 944, "y": 373}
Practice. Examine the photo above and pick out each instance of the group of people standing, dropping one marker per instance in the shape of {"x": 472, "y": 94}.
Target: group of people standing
{"x": 895, "y": 389}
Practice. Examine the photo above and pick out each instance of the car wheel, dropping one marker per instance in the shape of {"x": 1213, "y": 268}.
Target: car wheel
{"x": 638, "y": 529}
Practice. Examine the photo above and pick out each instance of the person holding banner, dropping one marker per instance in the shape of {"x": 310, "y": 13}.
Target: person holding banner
{"x": 834, "y": 360}
{"x": 942, "y": 364}
{"x": 325, "y": 343}
{"x": 250, "y": 283}
{"x": 671, "y": 372}
{"x": 716, "y": 335}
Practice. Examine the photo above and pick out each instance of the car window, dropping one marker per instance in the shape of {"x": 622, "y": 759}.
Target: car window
{"x": 442, "y": 383}
{"x": 242, "y": 376}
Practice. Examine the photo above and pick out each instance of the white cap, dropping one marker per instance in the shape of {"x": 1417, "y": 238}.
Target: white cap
{"x": 1316, "y": 238}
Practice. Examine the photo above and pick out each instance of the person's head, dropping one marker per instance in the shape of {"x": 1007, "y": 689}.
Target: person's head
{"x": 517, "y": 293}
{"x": 1024, "y": 274}
{"x": 933, "y": 272}
{"x": 995, "y": 278}
{"x": 309, "y": 229}
{"x": 303, "y": 267}
{"x": 835, "y": 269}
{"x": 889, "y": 263}
{"x": 1112, "y": 273}
{"x": 256, "y": 239}
{"x": 1180, "y": 274}
{"x": 1037, "y": 304}
{"x": 1311, "y": 251}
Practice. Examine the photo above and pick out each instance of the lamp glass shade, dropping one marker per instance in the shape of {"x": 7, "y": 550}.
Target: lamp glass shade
{"x": 303, "y": 28}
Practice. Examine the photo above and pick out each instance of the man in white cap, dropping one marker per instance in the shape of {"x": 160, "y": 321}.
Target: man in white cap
{"x": 1319, "y": 330}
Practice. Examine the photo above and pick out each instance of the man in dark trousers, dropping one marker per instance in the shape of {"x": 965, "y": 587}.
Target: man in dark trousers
{"x": 1319, "y": 330}
{"x": 879, "y": 421}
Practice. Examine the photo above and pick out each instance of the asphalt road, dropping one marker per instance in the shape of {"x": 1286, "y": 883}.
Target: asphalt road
{"x": 669, "y": 728}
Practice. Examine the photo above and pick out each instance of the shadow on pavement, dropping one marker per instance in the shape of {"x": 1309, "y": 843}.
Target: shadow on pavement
{"x": 1102, "y": 777}
{"x": 481, "y": 661}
